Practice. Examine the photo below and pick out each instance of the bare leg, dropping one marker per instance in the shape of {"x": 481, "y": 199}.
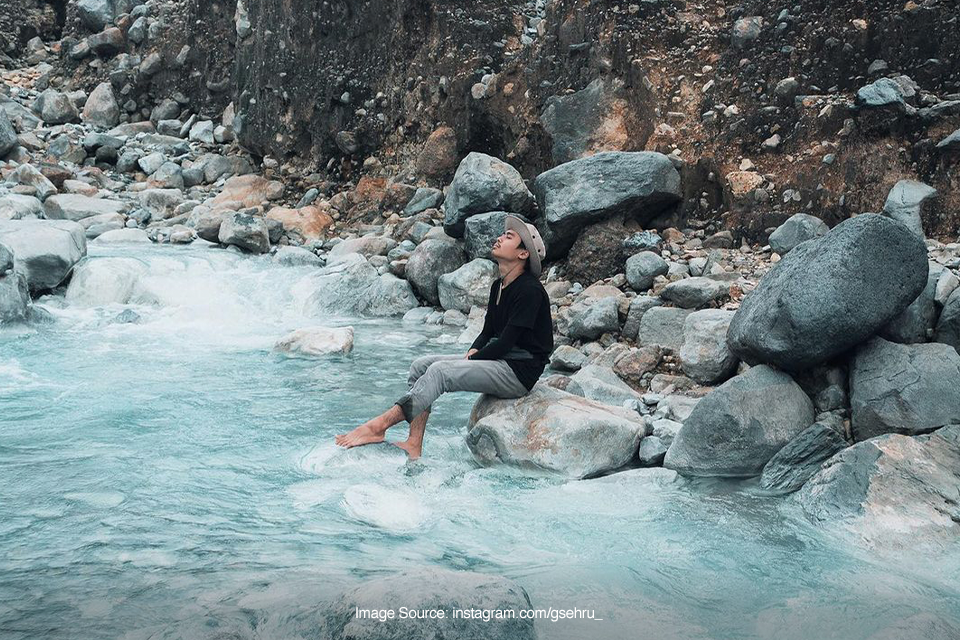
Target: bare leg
{"x": 414, "y": 442}
{"x": 372, "y": 430}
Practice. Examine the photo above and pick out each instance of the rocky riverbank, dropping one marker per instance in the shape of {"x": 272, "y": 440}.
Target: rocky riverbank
{"x": 694, "y": 332}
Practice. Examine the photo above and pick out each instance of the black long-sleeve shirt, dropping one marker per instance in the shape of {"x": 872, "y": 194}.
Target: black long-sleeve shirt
{"x": 519, "y": 329}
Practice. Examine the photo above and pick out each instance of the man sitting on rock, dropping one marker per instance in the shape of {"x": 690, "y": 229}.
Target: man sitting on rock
{"x": 505, "y": 360}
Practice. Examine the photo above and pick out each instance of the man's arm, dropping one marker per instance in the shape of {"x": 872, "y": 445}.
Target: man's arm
{"x": 499, "y": 346}
{"x": 520, "y": 317}
{"x": 487, "y": 331}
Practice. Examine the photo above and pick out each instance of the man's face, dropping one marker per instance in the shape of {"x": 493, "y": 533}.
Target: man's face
{"x": 507, "y": 246}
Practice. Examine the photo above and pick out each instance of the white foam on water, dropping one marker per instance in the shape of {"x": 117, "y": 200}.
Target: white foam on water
{"x": 102, "y": 499}
{"x": 395, "y": 510}
{"x": 310, "y": 493}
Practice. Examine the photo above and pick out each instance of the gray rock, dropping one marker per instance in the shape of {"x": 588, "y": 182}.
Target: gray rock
{"x": 123, "y": 235}
{"x": 642, "y": 268}
{"x": 483, "y": 183}
{"x": 15, "y": 206}
{"x": 54, "y": 107}
{"x": 798, "y": 228}
{"x": 575, "y": 121}
{"x": 96, "y": 14}
{"x": 151, "y": 65}
{"x": 592, "y": 317}
{"x": 297, "y": 257}
{"x": 665, "y": 429}
{"x": 431, "y": 589}
{"x": 638, "y": 306}
{"x": 206, "y": 223}
{"x": 601, "y": 384}
{"x": 881, "y": 93}
{"x": 151, "y": 162}
{"x": 73, "y": 206}
{"x": 555, "y": 430}
{"x": 482, "y": 230}
{"x": 745, "y": 31}
{"x": 829, "y": 294}
{"x": 244, "y": 230}
{"x": 431, "y": 259}
{"x": 663, "y": 327}
{"x": 138, "y": 30}
{"x": 45, "y": 250}
{"x": 168, "y": 176}
{"x": 905, "y": 202}
{"x": 740, "y": 425}
{"x": 367, "y": 246}
{"x": 424, "y": 198}
{"x": 652, "y": 451}
{"x": 800, "y": 458}
{"x": 892, "y": 492}
{"x": 567, "y": 358}
{"x": 101, "y": 109}
{"x": 705, "y": 356}
{"x": 467, "y": 286}
{"x": 215, "y": 166}
{"x": 8, "y": 136}
{"x": 161, "y": 203}
{"x": 14, "y": 294}
{"x": 948, "y": 327}
{"x": 642, "y": 241}
{"x": 575, "y": 194}
{"x": 950, "y": 143}
{"x": 353, "y": 287}
{"x": 917, "y": 321}
{"x": 168, "y": 109}
{"x": 910, "y": 389}
{"x": 695, "y": 293}
{"x": 107, "y": 43}
{"x": 202, "y": 131}
{"x": 102, "y": 223}
{"x": 28, "y": 175}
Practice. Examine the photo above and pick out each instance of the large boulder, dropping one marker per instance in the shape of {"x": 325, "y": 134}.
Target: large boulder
{"x": 695, "y": 293}
{"x": 892, "y": 492}
{"x": 102, "y": 281}
{"x": 353, "y": 287}
{"x": 897, "y": 388}
{"x": 8, "y": 135}
{"x": 830, "y": 294}
{"x": 481, "y": 184}
{"x": 662, "y": 326}
{"x": 705, "y": 355}
{"x": 45, "y": 250}
{"x": 431, "y": 589}
{"x": 800, "y": 458}
{"x": 317, "y": 341}
{"x": 482, "y": 230}
{"x": 638, "y": 184}
{"x": 431, "y": 259}
{"x": 917, "y": 321}
{"x": 244, "y": 230}
{"x": 798, "y": 228}
{"x": 15, "y": 206}
{"x": 592, "y": 317}
{"x": 948, "y": 326}
{"x": 76, "y": 207}
{"x": 468, "y": 286}
{"x": 14, "y": 293}
{"x": 101, "y": 109}
{"x": 29, "y": 175}
{"x": 643, "y": 267}
{"x": 161, "y": 203}
{"x": 552, "y": 429}
{"x": 906, "y": 201}
{"x": 206, "y": 223}
{"x": 737, "y": 428}
{"x": 367, "y": 246}
{"x": 96, "y": 14}
{"x": 309, "y": 222}
{"x": 54, "y": 107}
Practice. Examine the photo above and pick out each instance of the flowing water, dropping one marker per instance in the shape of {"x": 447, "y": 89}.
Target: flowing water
{"x": 176, "y": 478}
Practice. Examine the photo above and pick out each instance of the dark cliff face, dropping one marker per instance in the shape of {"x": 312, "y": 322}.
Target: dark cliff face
{"x": 378, "y": 73}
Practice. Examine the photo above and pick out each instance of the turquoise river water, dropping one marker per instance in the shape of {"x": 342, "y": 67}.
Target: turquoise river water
{"x": 176, "y": 478}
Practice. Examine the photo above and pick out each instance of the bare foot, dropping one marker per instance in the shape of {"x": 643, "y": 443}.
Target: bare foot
{"x": 364, "y": 434}
{"x": 413, "y": 450}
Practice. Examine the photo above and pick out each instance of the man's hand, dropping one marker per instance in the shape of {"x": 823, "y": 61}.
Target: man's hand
{"x": 470, "y": 353}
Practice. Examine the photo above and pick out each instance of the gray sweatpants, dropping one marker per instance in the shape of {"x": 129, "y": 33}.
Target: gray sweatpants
{"x": 430, "y": 376}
